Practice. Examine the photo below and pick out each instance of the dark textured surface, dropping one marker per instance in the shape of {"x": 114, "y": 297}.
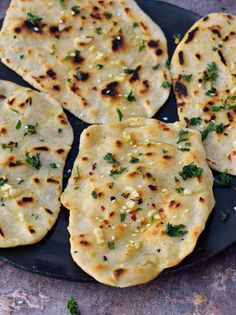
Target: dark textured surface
{"x": 209, "y": 288}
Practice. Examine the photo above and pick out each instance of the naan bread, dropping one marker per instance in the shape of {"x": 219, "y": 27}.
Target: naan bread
{"x": 99, "y": 59}
{"x": 35, "y": 138}
{"x": 131, "y": 182}
{"x": 204, "y": 75}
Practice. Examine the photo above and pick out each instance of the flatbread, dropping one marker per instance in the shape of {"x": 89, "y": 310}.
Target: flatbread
{"x": 204, "y": 74}
{"x": 129, "y": 184}
{"x": 35, "y": 138}
{"x": 97, "y": 58}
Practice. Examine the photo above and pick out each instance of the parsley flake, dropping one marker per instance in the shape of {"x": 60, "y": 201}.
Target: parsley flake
{"x": 110, "y": 159}
{"x": 175, "y": 230}
{"x": 94, "y": 194}
{"x": 223, "y": 180}
{"x": 122, "y": 217}
{"x": 75, "y": 9}
{"x": 195, "y": 121}
{"x": 114, "y": 173}
{"x": 183, "y": 136}
{"x": 72, "y": 307}
{"x": 111, "y": 245}
{"x": 33, "y": 160}
{"x": 119, "y": 114}
{"x": 190, "y": 171}
{"x": 131, "y": 97}
{"x": 33, "y": 19}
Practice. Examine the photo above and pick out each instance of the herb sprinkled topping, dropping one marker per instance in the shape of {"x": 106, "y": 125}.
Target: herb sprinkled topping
{"x": 75, "y": 9}
{"x": 122, "y": 217}
{"x": 72, "y": 307}
{"x": 134, "y": 160}
{"x": 33, "y": 19}
{"x": 10, "y": 146}
{"x": 119, "y": 114}
{"x": 131, "y": 97}
{"x": 183, "y": 136}
{"x": 110, "y": 159}
{"x": 166, "y": 85}
{"x": 190, "y": 171}
{"x": 114, "y": 173}
{"x": 195, "y": 121}
{"x": 175, "y": 230}
{"x": 31, "y": 129}
{"x": 224, "y": 216}
{"x": 223, "y": 180}
{"x": 33, "y": 160}
{"x": 111, "y": 245}
{"x": 211, "y": 74}
{"x": 94, "y": 194}
{"x": 53, "y": 165}
{"x": 187, "y": 78}
{"x": 18, "y": 125}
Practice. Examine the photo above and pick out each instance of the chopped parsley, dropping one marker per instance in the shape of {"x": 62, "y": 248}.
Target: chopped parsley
{"x": 156, "y": 67}
{"x": 33, "y": 160}
{"x": 134, "y": 160}
{"x": 142, "y": 45}
{"x": 131, "y": 97}
{"x": 215, "y": 48}
{"x": 164, "y": 151}
{"x": 168, "y": 64}
{"x": 177, "y": 38}
{"x": 14, "y": 110}
{"x": 107, "y": 15}
{"x": 187, "y": 78}
{"x": 33, "y": 19}
{"x": 166, "y": 85}
{"x": 195, "y": 121}
{"x": 2, "y": 181}
{"x": 175, "y": 230}
{"x": 179, "y": 190}
{"x": 99, "y": 30}
{"x": 59, "y": 130}
{"x": 183, "y": 136}
{"x": 190, "y": 171}
{"x": 111, "y": 245}
{"x": 75, "y": 9}
{"x": 72, "y": 307}
{"x": 211, "y": 92}
{"x": 53, "y": 165}
{"x": 31, "y": 129}
{"x": 122, "y": 217}
{"x": 226, "y": 105}
{"x": 18, "y": 125}
{"x": 94, "y": 194}
{"x": 186, "y": 148}
{"x": 135, "y": 24}
{"x": 114, "y": 173}
{"x": 119, "y": 114}
{"x": 128, "y": 71}
{"x": 223, "y": 180}
{"x": 212, "y": 127}
{"x": 224, "y": 216}
{"x": 211, "y": 74}
{"x": 10, "y": 146}
{"x": 100, "y": 66}
{"x": 110, "y": 159}
{"x": 76, "y": 53}
{"x": 22, "y": 56}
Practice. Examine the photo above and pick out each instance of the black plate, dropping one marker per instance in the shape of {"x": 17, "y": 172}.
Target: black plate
{"x": 51, "y": 257}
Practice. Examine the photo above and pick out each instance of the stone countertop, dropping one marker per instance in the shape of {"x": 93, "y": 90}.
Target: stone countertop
{"x": 206, "y": 289}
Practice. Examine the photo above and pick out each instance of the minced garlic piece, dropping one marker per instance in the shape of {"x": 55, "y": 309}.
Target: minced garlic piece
{"x": 98, "y": 232}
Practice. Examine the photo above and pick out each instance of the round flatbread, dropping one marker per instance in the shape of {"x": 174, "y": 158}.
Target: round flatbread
{"x": 204, "y": 75}
{"x": 35, "y": 137}
{"x": 100, "y": 59}
{"x": 139, "y": 197}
